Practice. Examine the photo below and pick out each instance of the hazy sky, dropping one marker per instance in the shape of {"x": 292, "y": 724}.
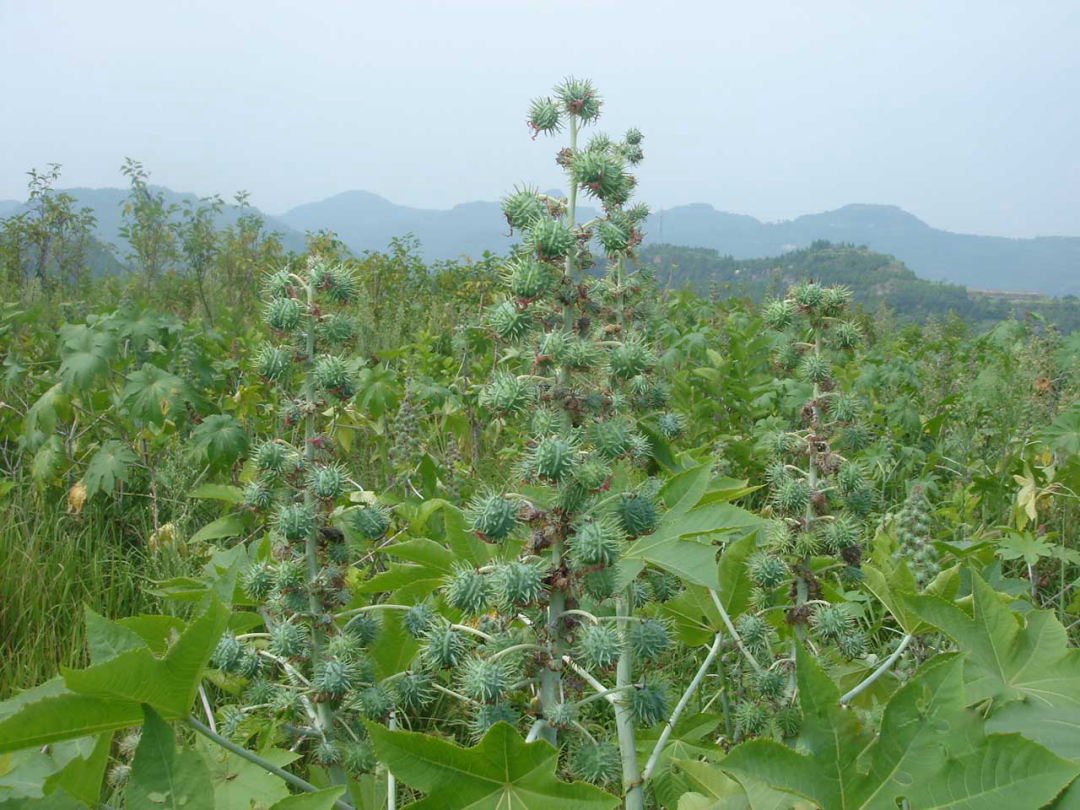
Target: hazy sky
{"x": 967, "y": 114}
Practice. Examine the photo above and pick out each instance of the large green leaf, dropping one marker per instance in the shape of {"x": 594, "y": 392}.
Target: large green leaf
{"x": 111, "y": 463}
{"x": 931, "y": 751}
{"x": 892, "y": 584}
{"x": 318, "y": 800}
{"x": 500, "y": 772}
{"x": 153, "y": 395}
{"x": 164, "y": 778}
{"x": 715, "y": 790}
{"x": 221, "y": 437}
{"x": 106, "y": 639}
{"x": 240, "y": 784}
{"x": 85, "y": 354}
{"x": 109, "y": 695}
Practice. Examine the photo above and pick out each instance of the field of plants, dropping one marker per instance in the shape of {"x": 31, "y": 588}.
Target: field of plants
{"x": 324, "y": 531}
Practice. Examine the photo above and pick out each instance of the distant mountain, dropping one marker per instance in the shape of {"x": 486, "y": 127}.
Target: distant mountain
{"x": 8, "y": 207}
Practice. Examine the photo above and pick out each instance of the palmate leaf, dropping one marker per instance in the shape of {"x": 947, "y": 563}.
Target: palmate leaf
{"x": 109, "y": 695}
{"x": 84, "y": 355}
{"x": 501, "y": 771}
{"x": 221, "y": 438}
{"x": 712, "y": 789}
{"x": 1063, "y": 434}
{"x": 931, "y": 751}
{"x": 153, "y": 395}
{"x": 164, "y": 778}
{"x": 1024, "y": 664}
{"x": 111, "y": 463}
{"x": 240, "y": 784}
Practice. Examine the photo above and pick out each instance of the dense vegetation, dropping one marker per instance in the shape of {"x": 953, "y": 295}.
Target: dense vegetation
{"x": 312, "y": 530}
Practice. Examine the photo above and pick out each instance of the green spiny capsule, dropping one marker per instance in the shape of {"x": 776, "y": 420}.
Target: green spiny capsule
{"x": 770, "y": 683}
{"x": 596, "y": 763}
{"x": 599, "y": 645}
{"x": 841, "y": 533}
{"x": 578, "y": 97}
{"x": 258, "y": 496}
{"x": 333, "y": 678}
{"x": 638, "y": 213}
{"x": 777, "y": 535}
{"x": 664, "y": 586}
{"x": 371, "y": 521}
{"x": 788, "y": 721}
{"x": 414, "y": 690}
{"x": 600, "y": 584}
{"x": 648, "y": 704}
{"x": 488, "y": 714}
{"x": 358, "y": 757}
{"x": 850, "y": 477}
{"x": 418, "y": 619}
{"x": 550, "y": 239}
{"x": 527, "y": 279}
{"x": 834, "y": 300}
{"x": 544, "y": 116}
{"x": 593, "y": 473}
{"x": 778, "y": 314}
{"x": 629, "y": 359}
{"x": 807, "y": 544}
{"x": 614, "y": 235}
{"x": 257, "y": 581}
{"x": 637, "y": 595}
{"x": 468, "y": 590}
{"x": 552, "y": 347}
{"x": 277, "y": 284}
{"x": 518, "y": 583}
{"x": 231, "y": 718}
{"x": 522, "y": 208}
{"x": 792, "y": 496}
{"x": 345, "y": 647}
{"x": 611, "y": 437}
{"x": 505, "y": 393}
{"x": 509, "y": 323}
{"x": 853, "y": 644}
{"x": 295, "y": 522}
{"x": 270, "y": 459}
{"x": 485, "y": 680}
{"x": 595, "y": 542}
{"x": 333, "y": 376}
{"x": 599, "y": 143}
{"x": 336, "y": 329}
{"x": 271, "y": 363}
{"x": 855, "y": 437}
{"x": 596, "y": 171}
{"x": 293, "y": 602}
{"x": 636, "y": 513}
{"x": 553, "y": 458}
{"x": 581, "y": 354}
{"x": 375, "y": 702}
{"x": 561, "y": 715}
{"x": 544, "y": 421}
{"x": 288, "y": 640}
{"x": 363, "y": 628}
{"x": 443, "y": 647}
{"x": 338, "y": 284}
{"x": 326, "y": 483}
{"x": 830, "y": 622}
{"x": 860, "y": 502}
{"x": 846, "y": 335}
{"x": 753, "y": 630}
{"x": 283, "y": 314}
{"x": 845, "y": 408}
{"x": 671, "y": 425}
{"x": 814, "y": 367}
{"x": 290, "y": 575}
{"x": 648, "y": 639}
{"x": 633, "y": 136}
{"x": 493, "y": 516}
{"x": 227, "y": 654}
{"x": 766, "y": 570}
{"x": 250, "y": 665}
{"x": 260, "y": 691}
{"x": 119, "y": 775}
{"x": 809, "y": 295}
{"x": 751, "y": 719}
{"x": 788, "y": 355}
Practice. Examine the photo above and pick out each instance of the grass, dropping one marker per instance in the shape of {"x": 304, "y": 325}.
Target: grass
{"x": 53, "y": 564}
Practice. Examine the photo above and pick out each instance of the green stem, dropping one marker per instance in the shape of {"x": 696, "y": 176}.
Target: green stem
{"x": 624, "y": 721}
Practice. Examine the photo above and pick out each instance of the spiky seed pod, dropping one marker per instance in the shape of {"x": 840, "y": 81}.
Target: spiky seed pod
{"x": 808, "y": 295}
{"x": 260, "y": 690}
{"x": 846, "y": 335}
{"x": 593, "y": 473}
{"x": 468, "y": 590}
{"x": 492, "y": 515}
{"x": 770, "y": 683}
{"x": 290, "y": 575}
{"x": 277, "y": 284}
{"x": 861, "y": 502}
{"x": 595, "y": 542}
{"x": 257, "y": 581}
{"x": 293, "y": 602}
{"x": 271, "y": 363}
{"x": 853, "y": 645}
{"x": 777, "y": 535}
{"x": 751, "y": 718}
{"x": 375, "y": 702}
{"x": 270, "y": 459}
{"x": 488, "y": 714}
{"x": 829, "y": 622}
{"x": 357, "y": 757}
{"x": 599, "y": 645}
{"x": 841, "y": 533}
{"x": 629, "y": 359}
{"x": 814, "y": 367}
{"x": 509, "y": 323}
{"x": 648, "y": 639}
{"x": 854, "y": 438}
{"x": 912, "y": 529}
{"x": 638, "y": 213}
{"x": 544, "y": 116}
{"x": 414, "y": 690}
{"x": 778, "y": 314}
{"x": 850, "y": 477}
{"x": 336, "y": 282}
{"x": 364, "y": 628}
{"x": 527, "y": 279}
{"x": 485, "y": 680}
{"x": 672, "y": 425}
{"x": 807, "y": 544}
{"x": 288, "y": 640}
{"x": 561, "y": 715}
{"x": 129, "y": 742}
{"x": 636, "y": 513}
{"x": 227, "y": 653}
{"x": 834, "y": 300}
{"x": 788, "y": 355}
{"x": 334, "y": 377}
{"x": 579, "y": 97}
{"x": 788, "y": 721}
{"x": 546, "y": 421}
{"x": 649, "y": 704}
{"x": 600, "y": 584}
{"x": 295, "y": 522}
{"x": 611, "y": 437}
{"x": 766, "y": 570}
{"x": 792, "y": 496}
{"x": 596, "y": 763}
{"x": 336, "y": 329}
{"x": 549, "y": 239}
{"x": 614, "y": 236}
{"x": 844, "y": 408}
{"x": 258, "y": 496}
{"x": 552, "y": 345}
{"x": 333, "y": 678}
{"x": 581, "y": 354}
{"x": 518, "y": 583}
{"x": 119, "y": 775}
{"x": 637, "y": 595}
{"x": 553, "y": 458}
{"x": 250, "y": 665}
{"x": 753, "y": 630}
{"x": 283, "y": 314}
{"x": 371, "y": 521}
{"x": 326, "y": 483}
{"x": 664, "y": 586}
{"x": 345, "y": 647}
{"x": 418, "y": 619}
